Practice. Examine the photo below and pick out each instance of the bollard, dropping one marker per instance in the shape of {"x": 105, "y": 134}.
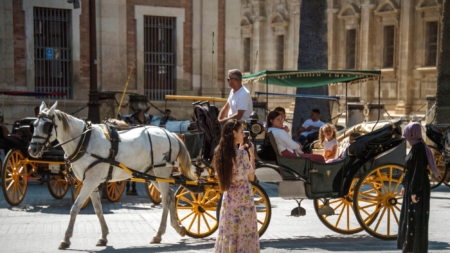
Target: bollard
{"x": 431, "y": 100}
{"x": 354, "y": 114}
{"x": 430, "y": 117}
{"x": 374, "y": 110}
{"x": 107, "y": 105}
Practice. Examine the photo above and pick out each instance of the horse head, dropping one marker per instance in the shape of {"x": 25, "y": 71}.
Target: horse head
{"x": 42, "y": 129}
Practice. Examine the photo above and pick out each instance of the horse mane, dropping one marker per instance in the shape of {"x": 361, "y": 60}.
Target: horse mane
{"x": 64, "y": 118}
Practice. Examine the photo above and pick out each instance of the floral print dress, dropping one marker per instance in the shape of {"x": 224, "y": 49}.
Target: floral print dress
{"x": 238, "y": 228}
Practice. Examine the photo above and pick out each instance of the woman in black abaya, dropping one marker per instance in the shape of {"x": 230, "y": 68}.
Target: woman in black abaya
{"x": 413, "y": 227}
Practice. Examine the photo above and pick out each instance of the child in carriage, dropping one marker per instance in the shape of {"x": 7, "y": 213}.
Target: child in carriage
{"x": 327, "y": 137}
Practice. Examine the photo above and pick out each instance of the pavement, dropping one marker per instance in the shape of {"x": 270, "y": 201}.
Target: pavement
{"x": 39, "y": 223}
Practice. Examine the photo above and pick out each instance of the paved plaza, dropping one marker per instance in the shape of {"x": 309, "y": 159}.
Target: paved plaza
{"x": 39, "y": 223}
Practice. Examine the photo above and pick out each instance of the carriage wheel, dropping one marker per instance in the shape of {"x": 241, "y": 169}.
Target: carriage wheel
{"x": 57, "y": 186}
{"x": 263, "y": 208}
{"x": 343, "y": 221}
{"x": 197, "y": 211}
{"x": 440, "y": 164}
{"x": 14, "y": 177}
{"x": 153, "y": 194}
{"x": 378, "y": 201}
{"x": 76, "y": 188}
{"x": 114, "y": 190}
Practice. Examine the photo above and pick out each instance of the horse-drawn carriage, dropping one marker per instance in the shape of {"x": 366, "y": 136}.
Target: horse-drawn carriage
{"x": 439, "y": 135}
{"x": 366, "y": 182}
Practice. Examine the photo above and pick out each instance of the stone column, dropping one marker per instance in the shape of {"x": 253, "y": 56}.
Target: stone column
{"x": 108, "y": 108}
{"x": 366, "y": 52}
{"x": 6, "y": 45}
{"x": 112, "y": 44}
{"x": 406, "y": 50}
{"x": 233, "y": 51}
{"x": 208, "y": 50}
{"x": 197, "y": 31}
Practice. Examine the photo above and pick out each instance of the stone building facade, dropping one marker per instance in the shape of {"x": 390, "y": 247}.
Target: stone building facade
{"x": 182, "y": 47}
{"x": 269, "y": 40}
{"x": 399, "y": 37}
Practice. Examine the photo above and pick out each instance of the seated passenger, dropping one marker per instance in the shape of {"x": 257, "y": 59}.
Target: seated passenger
{"x": 286, "y": 145}
{"x": 327, "y": 137}
{"x": 309, "y": 128}
{"x": 351, "y": 139}
{"x": 282, "y": 112}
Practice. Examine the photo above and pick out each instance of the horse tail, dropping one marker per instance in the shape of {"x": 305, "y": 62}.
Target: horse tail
{"x": 184, "y": 159}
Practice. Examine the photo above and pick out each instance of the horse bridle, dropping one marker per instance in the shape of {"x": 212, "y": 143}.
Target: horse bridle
{"x": 47, "y": 128}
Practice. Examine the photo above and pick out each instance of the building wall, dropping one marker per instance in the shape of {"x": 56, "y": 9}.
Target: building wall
{"x": 405, "y": 85}
{"x": 207, "y": 33}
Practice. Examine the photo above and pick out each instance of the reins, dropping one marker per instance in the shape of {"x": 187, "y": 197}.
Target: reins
{"x": 60, "y": 144}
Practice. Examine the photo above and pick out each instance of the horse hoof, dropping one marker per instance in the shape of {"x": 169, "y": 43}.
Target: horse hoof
{"x": 101, "y": 242}
{"x": 182, "y": 231}
{"x": 155, "y": 240}
{"x": 64, "y": 245}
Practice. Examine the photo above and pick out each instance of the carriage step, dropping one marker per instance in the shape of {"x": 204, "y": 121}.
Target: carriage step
{"x": 298, "y": 211}
{"x": 326, "y": 210}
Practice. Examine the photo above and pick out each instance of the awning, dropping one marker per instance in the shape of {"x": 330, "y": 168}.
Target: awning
{"x": 311, "y": 78}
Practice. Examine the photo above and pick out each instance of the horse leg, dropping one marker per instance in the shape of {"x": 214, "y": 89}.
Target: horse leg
{"x": 168, "y": 203}
{"x": 173, "y": 217}
{"x": 96, "y": 202}
{"x": 88, "y": 187}
{"x": 163, "y": 188}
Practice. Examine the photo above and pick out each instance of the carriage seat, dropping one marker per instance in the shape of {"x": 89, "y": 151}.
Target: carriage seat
{"x": 291, "y": 164}
{"x": 320, "y": 176}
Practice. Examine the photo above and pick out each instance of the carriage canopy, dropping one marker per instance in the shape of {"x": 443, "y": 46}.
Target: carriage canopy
{"x": 311, "y": 78}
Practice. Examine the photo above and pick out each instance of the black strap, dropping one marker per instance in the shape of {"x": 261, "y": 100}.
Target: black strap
{"x": 151, "y": 147}
{"x": 82, "y": 144}
{"x": 170, "y": 146}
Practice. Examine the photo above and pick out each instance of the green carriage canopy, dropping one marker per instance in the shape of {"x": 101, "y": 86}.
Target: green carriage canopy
{"x": 311, "y": 78}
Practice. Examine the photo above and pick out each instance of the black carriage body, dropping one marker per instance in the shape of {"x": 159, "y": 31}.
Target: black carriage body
{"x": 333, "y": 180}
{"x": 20, "y": 139}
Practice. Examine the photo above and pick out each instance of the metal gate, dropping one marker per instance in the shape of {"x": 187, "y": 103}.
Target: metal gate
{"x": 52, "y": 50}
{"x": 159, "y": 57}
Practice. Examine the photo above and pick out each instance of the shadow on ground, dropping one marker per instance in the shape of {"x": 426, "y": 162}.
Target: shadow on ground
{"x": 337, "y": 243}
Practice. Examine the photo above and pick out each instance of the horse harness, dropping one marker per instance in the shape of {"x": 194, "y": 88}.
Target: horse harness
{"x": 113, "y": 136}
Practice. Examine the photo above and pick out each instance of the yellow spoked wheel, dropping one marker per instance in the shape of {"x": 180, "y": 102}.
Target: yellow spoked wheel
{"x": 197, "y": 211}
{"x": 262, "y": 205}
{"x": 15, "y": 177}
{"x": 114, "y": 190}
{"x": 440, "y": 164}
{"x": 57, "y": 186}
{"x": 76, "y": 188}
{"x": 153, "y": 194}
{"x": 378, "y": 201}
{"x": 343, "y": 220}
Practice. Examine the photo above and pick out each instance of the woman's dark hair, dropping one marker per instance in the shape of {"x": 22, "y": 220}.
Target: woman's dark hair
{"x": 225, "y": 154}
{"x": 280, "y": 109}
{"x": 271, "y": 116}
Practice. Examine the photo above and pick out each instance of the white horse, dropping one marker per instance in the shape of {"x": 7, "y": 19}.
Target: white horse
{"x": 139, "y": 149}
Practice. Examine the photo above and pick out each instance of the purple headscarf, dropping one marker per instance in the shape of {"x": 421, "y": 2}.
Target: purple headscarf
{"x": 413, "y": 134}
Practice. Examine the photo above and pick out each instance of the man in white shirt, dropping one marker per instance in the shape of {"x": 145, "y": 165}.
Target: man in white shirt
{"x": 310, "y": 126}
{"x": 239, "y": 105}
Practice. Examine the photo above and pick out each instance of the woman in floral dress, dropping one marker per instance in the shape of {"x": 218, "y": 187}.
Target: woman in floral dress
{"x": 238, "y": 229}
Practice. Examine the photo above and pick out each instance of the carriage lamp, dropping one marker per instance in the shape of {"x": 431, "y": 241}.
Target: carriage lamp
{"x": 254, "y": 127}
